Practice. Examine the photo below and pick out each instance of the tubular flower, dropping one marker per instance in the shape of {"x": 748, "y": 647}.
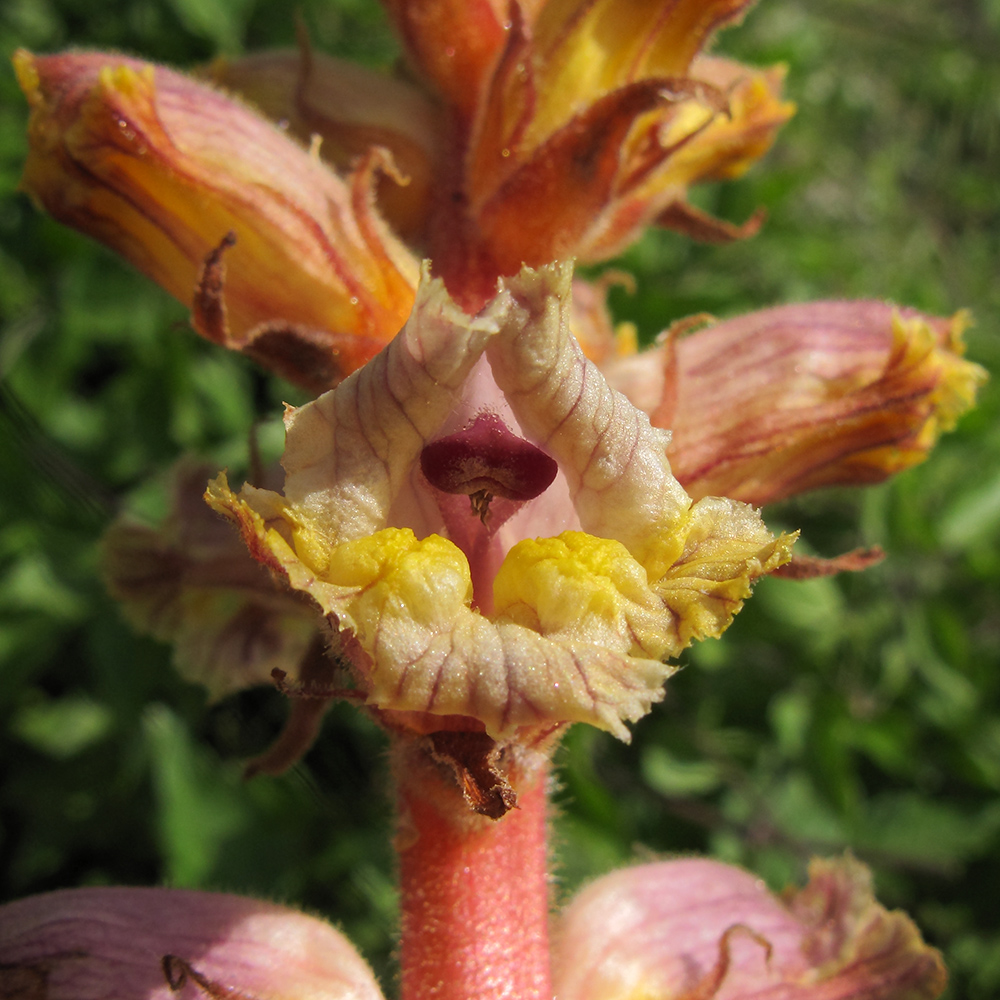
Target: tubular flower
{"x": 791, "y": 399}
{"x": 492, "y": 532}
{"x": 680, "y": 930}
{"x": 170, "y": 173}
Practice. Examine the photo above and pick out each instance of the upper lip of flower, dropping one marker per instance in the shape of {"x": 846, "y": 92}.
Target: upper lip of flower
{"x": 568, "y": 628}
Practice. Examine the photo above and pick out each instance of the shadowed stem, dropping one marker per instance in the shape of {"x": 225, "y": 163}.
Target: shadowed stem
{"x": 474, "y": 891}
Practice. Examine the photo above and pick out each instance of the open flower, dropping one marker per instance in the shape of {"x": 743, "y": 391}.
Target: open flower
{"x": 679, "y": 930}
{"x": 574, "y": 566}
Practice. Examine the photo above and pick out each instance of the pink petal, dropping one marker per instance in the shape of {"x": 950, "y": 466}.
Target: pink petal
{"x": 696, "y": 929}
{"x": 121, "y": 944}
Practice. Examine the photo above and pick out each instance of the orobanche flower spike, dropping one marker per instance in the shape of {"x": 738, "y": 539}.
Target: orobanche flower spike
{"x": 498, "y": 517}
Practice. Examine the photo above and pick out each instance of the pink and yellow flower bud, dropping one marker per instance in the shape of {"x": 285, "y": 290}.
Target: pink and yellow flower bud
{"x": 163, "y": 169}
{"x": 791, "y": 399}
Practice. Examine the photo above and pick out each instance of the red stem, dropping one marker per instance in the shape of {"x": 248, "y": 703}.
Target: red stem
{"x": 475, "y": 891}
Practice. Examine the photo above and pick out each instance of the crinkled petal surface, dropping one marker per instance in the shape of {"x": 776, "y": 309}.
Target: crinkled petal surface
{"x": 576, "y": 626}
{"x": 122, "y": 944}
{"x": 696, "y": 929}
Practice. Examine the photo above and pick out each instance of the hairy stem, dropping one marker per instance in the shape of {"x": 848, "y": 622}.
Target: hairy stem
{"x": 475, "y": 891}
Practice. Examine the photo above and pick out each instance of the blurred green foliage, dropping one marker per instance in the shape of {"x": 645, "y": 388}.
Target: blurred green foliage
{"x": 859, "y": 712}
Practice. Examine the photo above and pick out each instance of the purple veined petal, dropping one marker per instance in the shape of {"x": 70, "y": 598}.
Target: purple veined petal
{"x": 523, "y": 632}
{"x": 791, "y": 399}
{"x": 615, "y": 460}
{"x": 130, "y": 944}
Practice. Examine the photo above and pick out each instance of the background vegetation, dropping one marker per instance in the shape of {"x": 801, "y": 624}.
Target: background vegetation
{"x": 860, "y": 712}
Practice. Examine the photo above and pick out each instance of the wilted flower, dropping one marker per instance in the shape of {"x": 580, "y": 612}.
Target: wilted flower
{"x": 189, "y": 582}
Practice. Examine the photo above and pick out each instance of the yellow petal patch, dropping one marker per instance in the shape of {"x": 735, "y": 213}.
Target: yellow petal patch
{"x": 394, "y": 573}
{"x": 583, "y": 587}
{"x": 703, "y": 569}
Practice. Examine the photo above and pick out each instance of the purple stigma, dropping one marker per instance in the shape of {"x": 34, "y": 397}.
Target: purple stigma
{"x": 486, "y": 459}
